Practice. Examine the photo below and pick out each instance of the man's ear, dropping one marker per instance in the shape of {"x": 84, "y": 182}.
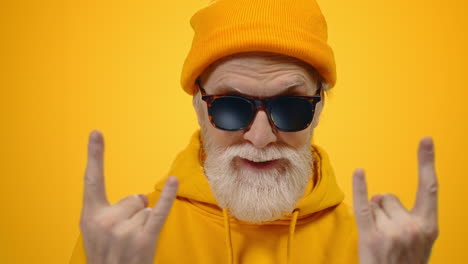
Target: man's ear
{"x": 197, "y": 105}
{"x": 318, "y": 110}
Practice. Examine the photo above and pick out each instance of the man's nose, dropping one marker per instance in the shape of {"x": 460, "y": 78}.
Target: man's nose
{"x": 260, "y": 133}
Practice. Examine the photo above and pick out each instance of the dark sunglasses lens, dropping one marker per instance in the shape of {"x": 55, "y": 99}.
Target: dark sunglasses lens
{"x": 231, "y": 113}
{"x": 291, "y": 113}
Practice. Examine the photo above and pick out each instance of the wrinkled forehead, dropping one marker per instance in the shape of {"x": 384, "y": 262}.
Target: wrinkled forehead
{"x": 260, "y": 74}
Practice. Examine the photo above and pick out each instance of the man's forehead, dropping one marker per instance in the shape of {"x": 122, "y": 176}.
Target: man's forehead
{"x": 252, "y": 72}
{"x": 259, "y": 63}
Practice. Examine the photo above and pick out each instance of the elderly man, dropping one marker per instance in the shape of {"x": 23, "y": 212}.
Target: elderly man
{"x": 250, "y": 187}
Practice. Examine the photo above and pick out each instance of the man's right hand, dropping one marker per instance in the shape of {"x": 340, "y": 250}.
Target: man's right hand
{"x": 126, "y": 232}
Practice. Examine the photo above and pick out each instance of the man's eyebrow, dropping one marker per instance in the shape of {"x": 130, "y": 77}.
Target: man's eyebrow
{"x": 227, "y": 89}
{"x": 224, "y": 88}
{"x": 292, "y": 86}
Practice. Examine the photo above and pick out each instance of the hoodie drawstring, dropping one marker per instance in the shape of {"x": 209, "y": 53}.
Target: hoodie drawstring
{"x": 292, "y": 227}
{"x": 227, "y": 228}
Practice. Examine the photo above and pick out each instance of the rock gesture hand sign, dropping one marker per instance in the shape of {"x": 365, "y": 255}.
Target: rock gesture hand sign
{"x": 126, "y": 232}
{"x": 388, "y": 232}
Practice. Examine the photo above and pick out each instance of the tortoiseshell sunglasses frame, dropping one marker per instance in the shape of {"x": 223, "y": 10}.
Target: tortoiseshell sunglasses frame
{"x": 258, "y": 104}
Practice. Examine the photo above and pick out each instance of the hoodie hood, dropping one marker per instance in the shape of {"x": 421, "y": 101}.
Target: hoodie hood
{"x": 193, "y": 184}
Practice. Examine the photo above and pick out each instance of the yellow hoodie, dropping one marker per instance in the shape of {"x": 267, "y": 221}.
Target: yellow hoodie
{"x": 320, "y": 230}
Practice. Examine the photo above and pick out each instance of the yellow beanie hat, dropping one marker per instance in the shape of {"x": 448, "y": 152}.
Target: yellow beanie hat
{"x": 294, "y": 28}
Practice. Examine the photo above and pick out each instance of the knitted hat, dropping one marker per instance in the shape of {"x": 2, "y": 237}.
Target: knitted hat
{"x": 295, "y": 28}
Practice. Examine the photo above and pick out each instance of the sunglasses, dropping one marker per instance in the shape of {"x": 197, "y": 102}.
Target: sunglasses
{"x": 289, "y": 113}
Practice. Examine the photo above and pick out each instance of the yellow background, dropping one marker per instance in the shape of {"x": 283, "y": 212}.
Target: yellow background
{"x": 67, "y": 67}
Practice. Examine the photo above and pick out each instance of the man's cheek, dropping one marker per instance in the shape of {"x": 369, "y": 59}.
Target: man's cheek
{"x": 224, "y": 139}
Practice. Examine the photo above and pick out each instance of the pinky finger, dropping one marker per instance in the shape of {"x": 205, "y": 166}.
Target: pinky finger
{"x": 163, "y": 206}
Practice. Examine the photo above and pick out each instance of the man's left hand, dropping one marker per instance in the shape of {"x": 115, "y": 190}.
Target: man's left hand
{"x": 388, "y": 232}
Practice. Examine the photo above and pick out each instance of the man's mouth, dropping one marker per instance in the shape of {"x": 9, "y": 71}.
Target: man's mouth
{"x": 259, "y": 165}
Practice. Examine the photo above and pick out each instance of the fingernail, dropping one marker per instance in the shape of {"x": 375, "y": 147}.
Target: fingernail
{"x": 360, "y": 173}
{"x": 95, "y": 136}
{"x": 429, "y": 145}
{"x": 144, "y": 199}
{"x": 172, "y": 180}
{"x": 376, "y": 198}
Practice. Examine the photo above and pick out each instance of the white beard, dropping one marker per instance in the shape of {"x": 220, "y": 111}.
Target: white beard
{"x": 257, "y": 196}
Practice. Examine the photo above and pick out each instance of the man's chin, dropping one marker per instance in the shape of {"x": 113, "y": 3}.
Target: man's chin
{"x": 256, "y": 196}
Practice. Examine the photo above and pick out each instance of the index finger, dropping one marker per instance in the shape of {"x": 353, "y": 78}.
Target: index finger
{"x": 426, "y": 197}
{"x": 362, "y": 210}
{"x": 94, "y": 189}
